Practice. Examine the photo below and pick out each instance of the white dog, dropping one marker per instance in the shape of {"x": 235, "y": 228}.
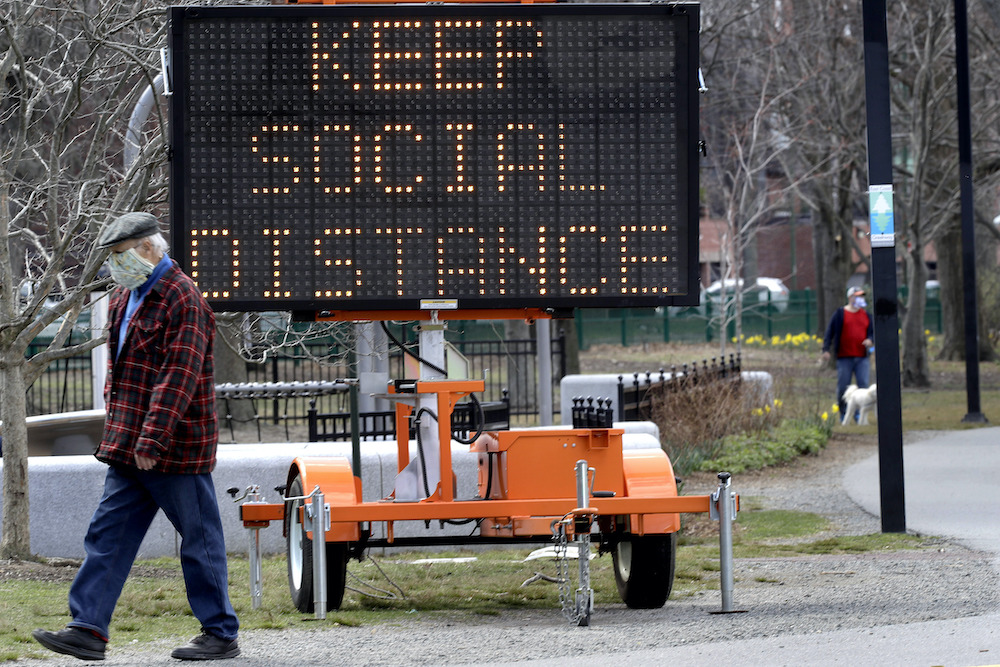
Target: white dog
{"x": 863, "y": 400}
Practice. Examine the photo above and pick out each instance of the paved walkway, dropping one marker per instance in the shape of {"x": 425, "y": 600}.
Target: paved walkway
{"x": 951, "y": 484}
{"x": 969, "y": 642}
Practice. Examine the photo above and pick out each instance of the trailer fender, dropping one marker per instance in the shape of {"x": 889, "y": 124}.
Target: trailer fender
{"x": 649, "y": 474}
{"x": 340, "y": 487}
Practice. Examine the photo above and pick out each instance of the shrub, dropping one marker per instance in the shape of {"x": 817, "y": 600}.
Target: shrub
{"x": 784, "y": 442}
{"x": 694, "y": 421}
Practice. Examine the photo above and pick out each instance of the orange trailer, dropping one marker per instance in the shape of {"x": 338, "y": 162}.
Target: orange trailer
{"x": 529, "y": 490}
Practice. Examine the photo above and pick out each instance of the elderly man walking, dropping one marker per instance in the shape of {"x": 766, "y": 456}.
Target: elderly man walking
{"x": 159, "y": 442}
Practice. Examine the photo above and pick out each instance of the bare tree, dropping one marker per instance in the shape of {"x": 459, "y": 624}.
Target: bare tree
{"x": 826, "y": 55}
{"x": 814, "y": 49}
{"x": 70, "y": 72}
{"x": 925, "y": 115}
{"x": 984, "y": 19}
{"x": 752, "y": 125}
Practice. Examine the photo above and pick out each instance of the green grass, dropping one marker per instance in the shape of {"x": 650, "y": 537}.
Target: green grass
{"x": 772, "y": 534}
{"x": 771, "y": 524}
{"x": 155, "y": 607}
{"x": 936, "y": 410}
{"x": 943, "y": 409}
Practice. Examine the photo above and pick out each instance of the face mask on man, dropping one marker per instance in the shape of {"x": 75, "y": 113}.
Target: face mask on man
{"x": 859, "y": 302}
{"x": 130, "y": 269}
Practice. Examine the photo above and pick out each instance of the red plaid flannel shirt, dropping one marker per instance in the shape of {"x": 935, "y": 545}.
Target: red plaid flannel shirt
{"x": 160, "y": 392}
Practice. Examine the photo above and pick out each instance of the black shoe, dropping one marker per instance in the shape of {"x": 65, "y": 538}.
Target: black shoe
{"x": 207, "y": 647}
{"x": 77, "y": 642}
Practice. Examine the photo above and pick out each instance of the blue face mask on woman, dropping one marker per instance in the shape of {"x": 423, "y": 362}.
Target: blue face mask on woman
{"x": 130, "y": 269}
{"x": 859, "y": 302}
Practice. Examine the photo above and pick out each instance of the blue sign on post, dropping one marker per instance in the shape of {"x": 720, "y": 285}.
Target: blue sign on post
{"x": 883, "y": 230}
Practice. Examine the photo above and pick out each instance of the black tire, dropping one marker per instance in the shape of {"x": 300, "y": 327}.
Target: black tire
{"x": 299, "y": 550}
{"x": 644, "y": 569}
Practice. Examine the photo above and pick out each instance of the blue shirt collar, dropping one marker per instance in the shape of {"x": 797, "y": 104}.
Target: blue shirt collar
{"x": 161, "y": 267}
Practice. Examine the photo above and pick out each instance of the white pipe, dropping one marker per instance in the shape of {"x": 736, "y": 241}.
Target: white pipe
{"x": 139, "y": 115}
{"x": 99, "y": 355}
{"x": 543, "y": 338}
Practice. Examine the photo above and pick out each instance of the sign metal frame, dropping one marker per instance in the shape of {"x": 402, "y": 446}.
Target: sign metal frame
{"x": 685, "y": 124}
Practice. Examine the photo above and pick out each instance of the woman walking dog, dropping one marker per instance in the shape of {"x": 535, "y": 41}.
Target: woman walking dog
{"x": 849, "y": 336}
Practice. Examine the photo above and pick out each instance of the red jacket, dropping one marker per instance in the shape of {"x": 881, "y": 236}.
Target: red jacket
{"x": 160, "y": 392}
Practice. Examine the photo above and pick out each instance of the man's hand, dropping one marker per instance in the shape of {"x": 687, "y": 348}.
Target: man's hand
{"x": 826, "y": 356}
{"x": 144, "y": 462}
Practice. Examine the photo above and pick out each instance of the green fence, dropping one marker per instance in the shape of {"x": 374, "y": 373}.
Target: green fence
{"x": 702, "y": 324}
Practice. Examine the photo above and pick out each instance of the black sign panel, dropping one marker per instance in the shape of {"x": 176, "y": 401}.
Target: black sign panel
{"x": 484, "y": 156}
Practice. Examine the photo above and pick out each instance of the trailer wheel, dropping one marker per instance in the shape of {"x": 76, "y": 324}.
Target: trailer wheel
{"x": 644, "y": 569}
{"x": 300, "y": 559}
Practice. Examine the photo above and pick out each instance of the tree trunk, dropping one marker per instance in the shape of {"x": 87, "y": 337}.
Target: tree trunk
{"x": 520, "y": 381}
{"x": 231, "y": 367}
{"x": 572, "y": 342}
{"x": 833, "y": 265}
{"x": 16, "y": 541}
{"x": 949, "y": 271}
{"x": 987, "y": 281}
{"x": 916, "y": 372}
{"x": 825, "y": 301}
{"x": 949, "y": 253}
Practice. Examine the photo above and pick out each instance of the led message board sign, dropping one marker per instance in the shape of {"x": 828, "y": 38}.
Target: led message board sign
{"x": 492, "y": 156}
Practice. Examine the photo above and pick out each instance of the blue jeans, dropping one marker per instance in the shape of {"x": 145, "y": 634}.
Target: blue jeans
{"x": 130, "y": 501}
{"x": 846, "y": 367}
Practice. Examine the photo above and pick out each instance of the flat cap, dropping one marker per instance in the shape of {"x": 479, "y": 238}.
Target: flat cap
{"x": 130, "y": 226}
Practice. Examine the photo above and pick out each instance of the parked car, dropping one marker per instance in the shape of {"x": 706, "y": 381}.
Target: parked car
{"x": 765, "y": 291}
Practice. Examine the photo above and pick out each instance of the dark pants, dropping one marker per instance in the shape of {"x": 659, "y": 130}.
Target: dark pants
{"x": 846, "y": 367}
{"x": 130, "y": 501}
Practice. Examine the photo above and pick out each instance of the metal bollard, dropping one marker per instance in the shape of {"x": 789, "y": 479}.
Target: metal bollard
{"x": 584, "y": 594}
{"x": 319, "y": 516}
{"x": 582, "y": 487}
{"x": 724, "y": 509}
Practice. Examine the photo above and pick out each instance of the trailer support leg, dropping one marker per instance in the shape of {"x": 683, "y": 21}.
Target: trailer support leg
{"x": 256, "y": 570}
{"x": 319, "y": 517}
{"x": 584, "y": 594}
{"x": 723, "y": 508}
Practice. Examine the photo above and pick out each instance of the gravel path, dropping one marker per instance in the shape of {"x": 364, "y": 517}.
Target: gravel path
{"x": 781, "y": 596}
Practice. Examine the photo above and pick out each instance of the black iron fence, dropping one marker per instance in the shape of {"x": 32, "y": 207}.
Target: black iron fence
{"x": 65, "y": 386}
{"x": 634, "y": 397}
{"x": 509, "y": 369}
